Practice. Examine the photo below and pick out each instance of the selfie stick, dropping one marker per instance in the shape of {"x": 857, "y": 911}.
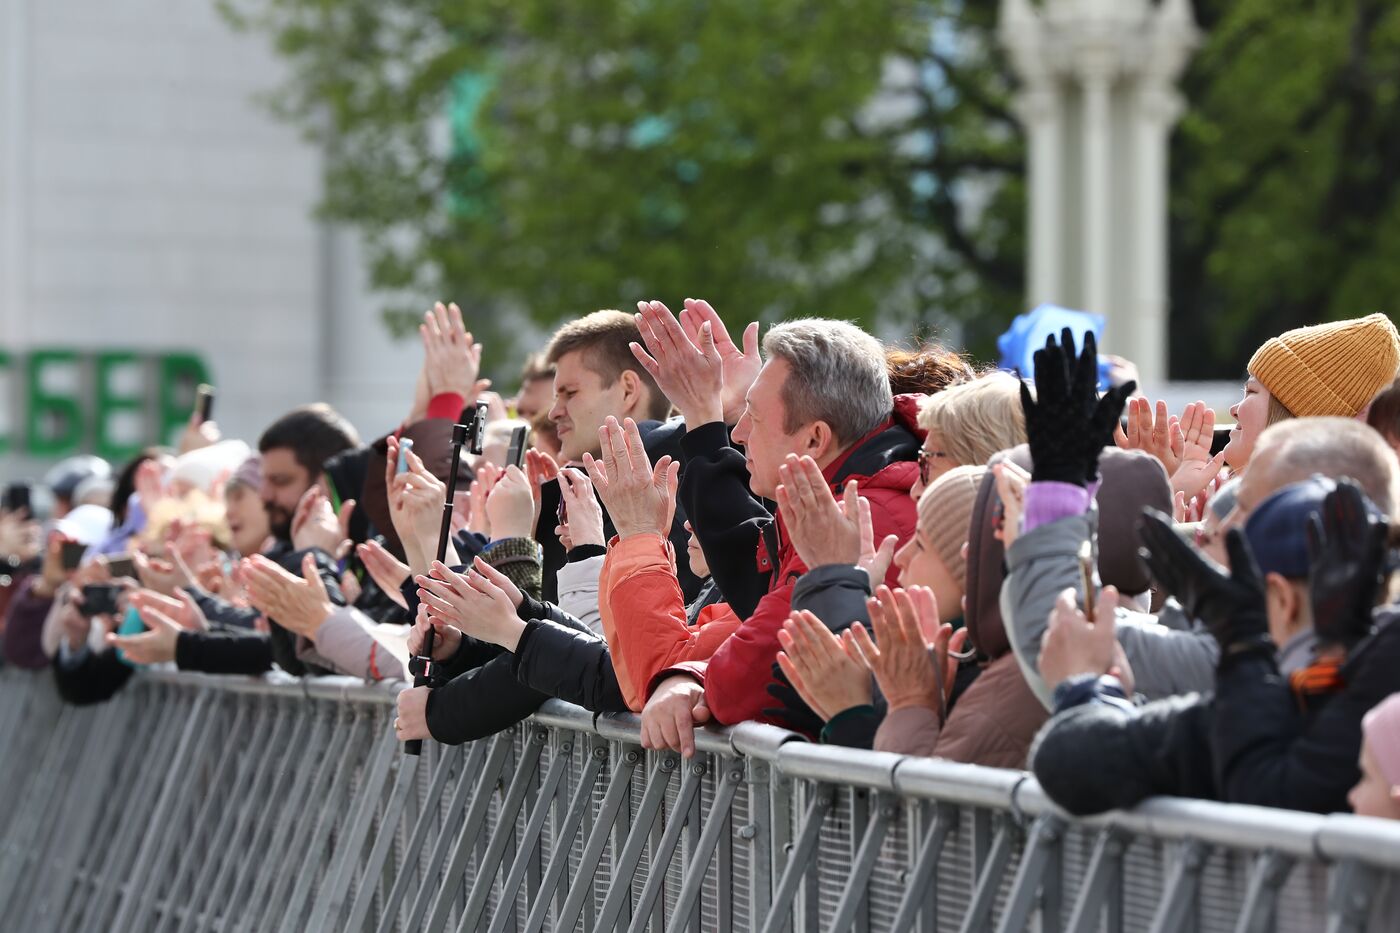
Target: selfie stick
{"x": 422, "y": 665}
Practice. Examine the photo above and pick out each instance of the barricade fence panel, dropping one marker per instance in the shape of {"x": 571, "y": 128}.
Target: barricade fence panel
{"x": 191, "y": 803}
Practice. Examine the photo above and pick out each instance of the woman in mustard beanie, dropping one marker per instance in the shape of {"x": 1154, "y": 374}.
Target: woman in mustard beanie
{"x": 1327, "y": 369}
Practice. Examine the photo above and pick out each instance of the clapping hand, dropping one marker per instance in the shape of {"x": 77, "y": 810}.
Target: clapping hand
{"x": 298, "y": 604}
{"x": 451, "y": 360}
{"x": 825, "y": 670}
{"x": 639, "y": 499}
{"x": 821, "y": 530}
{"x": 913, "y": 655}
{"x": 385, "y": 569}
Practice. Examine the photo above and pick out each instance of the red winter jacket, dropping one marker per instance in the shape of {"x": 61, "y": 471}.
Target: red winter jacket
{"x": 884, "y": 466}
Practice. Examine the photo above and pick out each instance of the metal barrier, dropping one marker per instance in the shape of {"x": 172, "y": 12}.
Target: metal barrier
{"x": 196, "y": 803}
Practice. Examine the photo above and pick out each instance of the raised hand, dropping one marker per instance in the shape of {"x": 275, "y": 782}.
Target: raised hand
{"x": 690, "y": 372}
{"x": 182, "y": 609}
{"x": 1067, "y": 423}
{"x": 451, "y": 360}
{"x": 908, "y": 648}
{"x": 1073, "y": 645}
{"x": 1231, "y": 605}
{"x": 316, "y": 524}
{"x": 510, "y": 506}
{"x": 1161, "y": 436}
{"x": 153, "y": 646}
{"x": 541, "y": 468}
{"x": 473, "y": 603}
{"x": 1196, "y": 469}
{"x": 740, "y": 366}
{"x": 298, "y": 604}
{"x": 822, "y": 531}
{"x": 163, "y": 576}
{"x": 384, "y": 569}
{"x": 1011, "y": 483}
{"x": 584, "y": 517}
{"x": 415, "y": 507}
{"x": 639, "y": 499}
{"x": 1347, "y": 555}
{"x": 824, "y": 670}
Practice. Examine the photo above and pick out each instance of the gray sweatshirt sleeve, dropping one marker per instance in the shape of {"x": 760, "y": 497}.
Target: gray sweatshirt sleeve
{"x": 1166, "y": 660}
{"x": 1040, "y": 564}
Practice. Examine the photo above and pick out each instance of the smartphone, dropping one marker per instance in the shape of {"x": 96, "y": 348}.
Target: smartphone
{"x": 204, "y": 401}
{"x": 515, "y": 454}
{"x": 122, "y": 566}
{"x": 405, "y": 445}
{"x": 99, "y": 599}
{"x": 72, "y": 554}
{"x": 1086, "y": 574}
{"x": 16, "y": 497}
{"x": 476, "y": 430}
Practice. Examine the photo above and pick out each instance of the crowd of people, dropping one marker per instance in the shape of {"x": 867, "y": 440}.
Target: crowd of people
{"x": 881, "y": 547}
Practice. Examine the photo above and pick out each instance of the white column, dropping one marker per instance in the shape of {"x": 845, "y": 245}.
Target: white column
{"x": 1039, "y": 108}
{"x": 1097, "y": 166}
{"x": 14, "y": 166}
{"x": 1157, "y": 109}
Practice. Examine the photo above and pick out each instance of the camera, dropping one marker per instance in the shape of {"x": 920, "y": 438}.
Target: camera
{"x": 99, "y": 599}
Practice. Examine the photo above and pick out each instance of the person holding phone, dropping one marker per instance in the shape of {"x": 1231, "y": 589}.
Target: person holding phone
{"x": 31, "y": 639}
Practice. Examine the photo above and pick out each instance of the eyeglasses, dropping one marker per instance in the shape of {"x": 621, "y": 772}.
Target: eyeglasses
{"x": 926, "y": 458}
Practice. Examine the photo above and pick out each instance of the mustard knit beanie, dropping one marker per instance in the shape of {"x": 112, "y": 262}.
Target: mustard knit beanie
{"x": 945, "y": 515}
{"x": 1329, "y": 369}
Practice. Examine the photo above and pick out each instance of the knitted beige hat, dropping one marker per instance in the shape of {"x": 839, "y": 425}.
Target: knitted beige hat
{"x": 1329, "y": 369}
{"x": 945, "y": 515}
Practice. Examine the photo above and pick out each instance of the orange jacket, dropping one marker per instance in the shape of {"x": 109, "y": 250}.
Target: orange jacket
{"x": 644, "y": 617}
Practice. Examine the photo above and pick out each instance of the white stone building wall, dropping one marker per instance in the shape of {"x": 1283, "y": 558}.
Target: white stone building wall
{"x": 148, "y": 201}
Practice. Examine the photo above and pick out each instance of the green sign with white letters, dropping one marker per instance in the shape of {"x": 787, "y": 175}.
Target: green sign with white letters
{"x": 110, "y": 402}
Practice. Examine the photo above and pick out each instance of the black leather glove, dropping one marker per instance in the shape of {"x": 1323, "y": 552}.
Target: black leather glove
{"x": 1232, "y": 607}
{"x": 1067, "y": 423}
{"x": 792, "y": 711}
{"x": 1346, "y": 555}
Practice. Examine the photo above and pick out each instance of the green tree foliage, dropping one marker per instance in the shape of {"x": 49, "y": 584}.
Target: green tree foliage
{"x": 542, "y": 159}
{"x": 1284, "y": 176}
{"x": 857, "y": 158}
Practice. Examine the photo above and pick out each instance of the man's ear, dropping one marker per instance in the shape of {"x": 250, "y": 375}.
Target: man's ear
{"x": 633, "y": 394}
{"x": 820, "y": 441}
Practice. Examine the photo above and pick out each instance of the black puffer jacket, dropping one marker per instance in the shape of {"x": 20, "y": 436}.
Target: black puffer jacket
{"x": 1270, "y": 754}
{"x": 1097, "y": 755}
{"x": 1249, "y": 742}
{"x": 492, "y": 689}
